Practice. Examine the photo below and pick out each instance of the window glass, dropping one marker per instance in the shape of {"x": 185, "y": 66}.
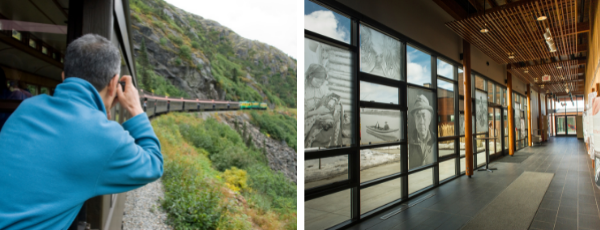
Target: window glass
{"x": 378, "y": 93}
{"x": 379, "y": 54}
{"x": 446, "y": 148}
{"x": 32, "y": 43}
{"x": 380, "y": 126}
{"x": 463, "y": 166}
{"x": 490, "y": 91}
{"x": 447, "y": 169}
{"x": 45, "y": 90}
{"x": 378, "y": 195}
{"x": 322, "y": 171}
{"x": 445, "y": 108}
{"x": 480, "y": 149}
{"x": 444, "y": 69}
{"x": 498, "y": 98}
{"x": 418, "y": 67}
{"x": 327, "y": 211}
{"x": 16, "y": 35}
{"x": 462, "y": 146}
{"x": 32, "y": 89}
{"x": 328, "y": 23}
{"x": 480, "y": 83}
{"x": 420, "y": 180}
{"x": 327, "y": 92}
{"x": 461, "y": 84}
{"x": 379, "y": 162}
{"x": 481, "y": 110}
{"x": 421, "y": 128}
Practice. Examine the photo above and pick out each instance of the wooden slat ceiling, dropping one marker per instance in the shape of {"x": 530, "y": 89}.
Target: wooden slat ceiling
{"x": 514, "y": 29}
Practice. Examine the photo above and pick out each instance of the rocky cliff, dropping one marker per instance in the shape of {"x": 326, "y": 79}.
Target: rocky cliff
{"x": 179, "y": 51}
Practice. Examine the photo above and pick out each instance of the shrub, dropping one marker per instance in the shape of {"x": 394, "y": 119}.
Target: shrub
{"x": 175, "y": 39}
{"x": 195, "y": 45}
{"x": 185, "y": 52}
{"x": 178, "y": 61}
{"x": 236, "y": 179}
{"x": 163, "y": 41}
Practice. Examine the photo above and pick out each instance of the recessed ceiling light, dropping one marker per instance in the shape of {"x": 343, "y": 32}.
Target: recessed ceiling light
{"x": 542, "y": 18}
{"x": 484, "y": 30}
{"x": 511, "y": 56}
{"x": 559, "y": 67}
{"x": 542, "y": 86}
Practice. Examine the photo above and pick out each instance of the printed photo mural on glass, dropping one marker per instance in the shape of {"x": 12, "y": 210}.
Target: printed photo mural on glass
{"x": 372, "y": 92}
{"x": 422, "y": 138}
{"x": 379, "y": 54}
{"x": 327, "y": 98}
{"x": 462, "y": 124}
{"x": 380, "y": 126}
{"x": 481, "y": 101}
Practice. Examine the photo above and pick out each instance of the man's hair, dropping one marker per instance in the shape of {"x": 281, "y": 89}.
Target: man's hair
{"x": 94, "y": 59}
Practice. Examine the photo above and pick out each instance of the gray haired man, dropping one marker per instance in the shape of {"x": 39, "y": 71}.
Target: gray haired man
{"x": 59, "y": 151}
{"x": 421, "y": 143}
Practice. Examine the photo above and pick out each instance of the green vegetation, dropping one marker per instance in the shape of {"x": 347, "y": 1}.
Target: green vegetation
{"x": 276, "y": 125}
{"x": 274, "y": 81}
{"x": 204, "y": 189}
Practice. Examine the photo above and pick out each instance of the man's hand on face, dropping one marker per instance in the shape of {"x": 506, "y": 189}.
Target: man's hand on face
{"x": 129, "y": 97}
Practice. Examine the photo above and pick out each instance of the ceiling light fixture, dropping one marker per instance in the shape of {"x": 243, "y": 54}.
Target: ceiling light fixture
{"x": 484, "y": 29}
{"x": 535, "y": 80}
{"x": 542, "y": 86}
{"x": 511, "y": 55}
{"x": 526, "y": 71}
{"x": 559, "y": 67}
{"x": 542, "y": 18}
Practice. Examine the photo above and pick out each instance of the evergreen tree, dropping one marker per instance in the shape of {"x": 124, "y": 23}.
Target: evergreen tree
{"x": 234, "y": 75}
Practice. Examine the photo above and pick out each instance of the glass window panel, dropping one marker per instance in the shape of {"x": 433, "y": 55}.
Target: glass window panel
{"x": 445, "y": 69}
{"x": 327, "y": 211}
{"x": 380, "y": 126}
{"x": 481, "y": 158}
{"x": 499, "y": 97}
{"x": 462, "y": 146}
{"x": 379, "y": 54}
{"x": 447, "y": 169}
{"x": 16, "y": 35}
{"x": 463, "y": 167}
{"x": 480, "y": 83}
{"x": 420, "y": 180}
{"x": 481, "y": 111}
{"x": 321, "y": 20}
{"x": 446, "y": 148}
{"x": 32, "y": 43}
{"x": 322, "y": 171}
{"x": 480, "y": 149}
{"x": 379, "y": 195}
{"x": 490, "y": 91}
{"x": 421, "y": 128}
{"x": 418, "y": 67}
{"x": 378, "y": 93}
{"x": 32, "y": 89}
{"x": 461, "y": 85}
{"x": 379, "y": 162}
{"x": 45, "y": 90}
{"x": 505, "y": 142}
{"x": 445, "y": 108}
{"x": 461, "y": 121}
{"x": 327, "y": 96}
{"x": 44, "y": 50}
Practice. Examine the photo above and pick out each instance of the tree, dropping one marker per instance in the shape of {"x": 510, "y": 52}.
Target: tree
{"x": 234, "y": 75}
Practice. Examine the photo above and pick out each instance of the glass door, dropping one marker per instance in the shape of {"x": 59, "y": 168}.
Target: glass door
{"x": 498, "y": 130}
{"x": 560, "y": 125}
{"x": 571, "y": 125}
{"x": 505, "y": 129}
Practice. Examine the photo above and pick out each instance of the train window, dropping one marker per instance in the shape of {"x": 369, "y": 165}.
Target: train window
{"x": 32, "y": 43}
{"x": 33, "y": 38}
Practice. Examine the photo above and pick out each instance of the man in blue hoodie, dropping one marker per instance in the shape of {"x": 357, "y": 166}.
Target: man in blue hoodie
{"x": 58, "y": 151}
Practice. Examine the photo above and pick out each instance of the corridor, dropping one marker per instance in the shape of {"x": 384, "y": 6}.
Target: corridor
{"x": 570, "y": 202}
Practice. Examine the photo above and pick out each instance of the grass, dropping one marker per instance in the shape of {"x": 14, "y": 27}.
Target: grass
{"x": 213, "y": 180}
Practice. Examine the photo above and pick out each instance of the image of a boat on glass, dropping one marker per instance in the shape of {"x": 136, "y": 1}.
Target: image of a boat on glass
{"x": 382, "y": 132}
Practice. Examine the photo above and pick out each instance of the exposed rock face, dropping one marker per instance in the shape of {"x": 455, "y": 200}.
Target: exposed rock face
{"x": 282, "y": 158}
{"x": 195, "y": 77}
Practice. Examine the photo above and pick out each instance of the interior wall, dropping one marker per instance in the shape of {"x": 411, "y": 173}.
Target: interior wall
{"x": 592, "y": 67}
{"x": 424, "y": 21}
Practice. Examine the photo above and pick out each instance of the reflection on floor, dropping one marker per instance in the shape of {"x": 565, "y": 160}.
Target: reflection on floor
{"x": 571, "y": 201}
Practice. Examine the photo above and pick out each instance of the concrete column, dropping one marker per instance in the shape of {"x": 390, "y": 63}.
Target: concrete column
{"x": 529, "y": 114}
{"x": 468, "y": 112}
{"x": 511, "y": 119}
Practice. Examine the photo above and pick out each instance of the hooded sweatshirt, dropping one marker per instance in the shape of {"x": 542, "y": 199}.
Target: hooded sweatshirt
{"x": 58, "y": 151}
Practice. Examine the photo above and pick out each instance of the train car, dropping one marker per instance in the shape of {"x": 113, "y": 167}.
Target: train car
{"x": 176, "y": 105}
{"x": 263, "y": 106}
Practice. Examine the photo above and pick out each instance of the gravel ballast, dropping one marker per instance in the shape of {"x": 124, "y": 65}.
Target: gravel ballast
{"x": 142, "y": 208}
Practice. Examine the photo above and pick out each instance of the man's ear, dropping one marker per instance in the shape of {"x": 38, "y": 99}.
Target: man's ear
{"x": 112, "y": 85}
{"x": 62, "y": 75}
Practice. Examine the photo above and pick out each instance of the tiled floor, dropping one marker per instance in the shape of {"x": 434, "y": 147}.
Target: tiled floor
{"x": 571, "y": 201}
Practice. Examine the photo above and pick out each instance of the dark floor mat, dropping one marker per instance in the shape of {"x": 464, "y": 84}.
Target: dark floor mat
{"x": 517, "y": 158}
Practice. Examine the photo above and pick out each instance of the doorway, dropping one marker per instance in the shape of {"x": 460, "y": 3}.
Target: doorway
{"x": 565, "y": 125}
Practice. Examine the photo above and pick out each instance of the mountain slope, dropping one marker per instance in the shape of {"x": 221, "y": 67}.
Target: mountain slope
{"x": 182, "y": 54}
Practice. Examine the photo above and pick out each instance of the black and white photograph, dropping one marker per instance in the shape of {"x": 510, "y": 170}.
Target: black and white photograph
{"x": 481, "y": 102}
{"x": 372, "y": 92}
{"x": 379, "y": 54}
{"x": 597, "y": 168}
{"x": 380, "y": 126}
{"x": 422, "y": 138}
{"x": 327, "y": 107}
